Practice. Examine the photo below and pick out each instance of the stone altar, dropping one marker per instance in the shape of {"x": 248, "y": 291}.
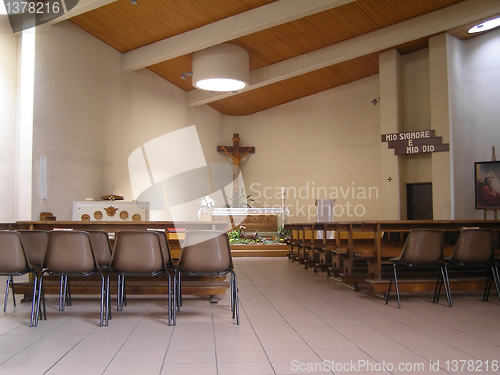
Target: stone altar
{"x": 253, "y": 219}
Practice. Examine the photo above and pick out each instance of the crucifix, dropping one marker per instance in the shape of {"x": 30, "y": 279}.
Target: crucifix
{"x": 236, "y": 150}
{"x": 236, "y": 158}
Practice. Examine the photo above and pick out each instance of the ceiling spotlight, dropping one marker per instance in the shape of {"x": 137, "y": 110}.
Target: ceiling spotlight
{"x": 184, "y": 75}
{"x": 375, "y": 101}
{"x": 485, "y": 26}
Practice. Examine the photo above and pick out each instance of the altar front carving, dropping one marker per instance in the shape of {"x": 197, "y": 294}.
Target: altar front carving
{"x": 110, "y": 211}
{"x": 260, "y": 220}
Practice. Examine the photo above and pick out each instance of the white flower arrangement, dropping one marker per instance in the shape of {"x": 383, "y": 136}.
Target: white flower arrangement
{"x": 207, "y": 201}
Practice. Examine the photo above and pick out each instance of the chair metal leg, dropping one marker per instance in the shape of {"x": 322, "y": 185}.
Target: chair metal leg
{"x": 236, "y": 310}
{"x": 42, "y": 310}
{"x": 447, "y": 285}
{"x": 124, "y": 292}
{"x": 174, "y": 300}
{"x": 67, "y": 291}
{"x": 13, "y": 292}
{"x": 62, "y": 294}
{"x": 437, "y": 290}
{"x": 40, "y": 289}
{"x": 34, "y": 305}
{"x": 169, "y": 300}
{"x": 487, "y": 289}
{"x": 108, "y": 303}
{"x": 118, "y": 292}
{"x": 233, "y": 297}
{"x": 6, "y": 293}
{"x": 120, "y": 287}
{"x": 121, "y": 295}
{"x": 496, "y": 279}
{"x": 40, "y": 297}
{"x": 396, "y": 285}
{"x": 102, "y": 301}
{"x": 179, "y": 292}
{"x": 231, "y": 283}
{"x": 446, "y": 282}
{"x": 388, "y": 292}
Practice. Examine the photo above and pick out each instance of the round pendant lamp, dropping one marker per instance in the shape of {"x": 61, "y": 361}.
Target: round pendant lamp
{"x": 485, "y": 26}
{"x": 224, "y": 67}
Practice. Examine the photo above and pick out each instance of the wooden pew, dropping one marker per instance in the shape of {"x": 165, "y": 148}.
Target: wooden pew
{"x": 295, "y": 240}
{"x": 305, "y": 243}
{"x": 326, "y": 256}
{"x": 363, "y": 249}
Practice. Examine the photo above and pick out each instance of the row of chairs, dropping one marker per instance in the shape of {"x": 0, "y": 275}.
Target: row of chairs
{"x": 424, "y": 249}
{"x": 140, "y": 253}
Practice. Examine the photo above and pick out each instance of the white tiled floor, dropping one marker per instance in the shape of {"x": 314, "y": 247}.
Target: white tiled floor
{"x": 292, "y": 322}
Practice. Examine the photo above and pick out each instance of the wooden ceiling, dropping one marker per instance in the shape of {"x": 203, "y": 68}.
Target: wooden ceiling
{"x": 333, "y": 31}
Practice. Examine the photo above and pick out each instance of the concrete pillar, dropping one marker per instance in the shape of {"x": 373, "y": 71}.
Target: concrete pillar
{"x": 442, "y": 190}
{"x": 393, "y": 191}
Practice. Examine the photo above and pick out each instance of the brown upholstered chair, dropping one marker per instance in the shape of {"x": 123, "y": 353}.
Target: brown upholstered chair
{"x": 35, "y": 245}
{"x": 207, "y": 253}
{"x": 102, "y": 254}
{"x": 474, "y": 250}
{"x": 137, "y": 253}
{"x": 101, "y": 248}
{"x": 69, "y": 253}
{"x": 169, "y": 263}
{"x": 165, "y": 250}
{"x": 423, "y": 249}
{"x": 13, "y": 262}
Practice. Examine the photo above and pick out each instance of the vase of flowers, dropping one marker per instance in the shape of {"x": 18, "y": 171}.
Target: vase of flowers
{"x": 207, "y": 204}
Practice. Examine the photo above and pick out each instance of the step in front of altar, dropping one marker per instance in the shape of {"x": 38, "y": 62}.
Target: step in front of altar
{"x": 273, "y": 250}
{"x": 241, "y": 250}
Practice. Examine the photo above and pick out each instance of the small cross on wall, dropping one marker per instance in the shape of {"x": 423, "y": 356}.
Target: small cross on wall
{"x": 389, "y": 179}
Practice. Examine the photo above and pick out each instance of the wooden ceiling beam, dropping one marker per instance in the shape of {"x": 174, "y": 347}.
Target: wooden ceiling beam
{"x": 415, "y": 28}
{"x": 83, "y": 6}
{"x": 257, "y": 19}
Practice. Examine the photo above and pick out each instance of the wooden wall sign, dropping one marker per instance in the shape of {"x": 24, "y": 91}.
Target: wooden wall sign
{"x": 417, "y": 142}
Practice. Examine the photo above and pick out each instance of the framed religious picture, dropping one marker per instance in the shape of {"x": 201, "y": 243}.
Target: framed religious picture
{"x": 487, "y": 175}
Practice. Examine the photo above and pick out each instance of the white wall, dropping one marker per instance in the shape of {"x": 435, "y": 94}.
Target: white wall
{"x": 328, "y": 141}
{"x": 475, "y": 113}
{"x": 90, "y": 116}
{"x": 8, "y": 105}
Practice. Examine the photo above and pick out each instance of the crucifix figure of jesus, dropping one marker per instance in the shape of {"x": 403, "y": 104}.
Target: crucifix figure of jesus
{"x": 236, "y": 158}
{"x": 236, "y": 150}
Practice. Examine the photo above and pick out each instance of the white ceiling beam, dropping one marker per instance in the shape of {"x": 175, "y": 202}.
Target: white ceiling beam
{"x": 83, "y": 6}
{"x": 415, "y": 28}
{"x": 249, "y": 22}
